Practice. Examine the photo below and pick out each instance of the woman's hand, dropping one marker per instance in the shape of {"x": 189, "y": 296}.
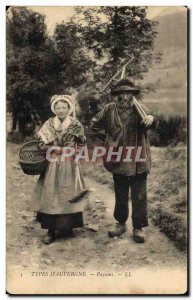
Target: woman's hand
{"x": 58, "y": 151}
{"x": 43, "y": 147}
{"x": 148, "y": 120}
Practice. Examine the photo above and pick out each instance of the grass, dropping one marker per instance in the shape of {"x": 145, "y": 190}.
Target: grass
{"x": 168, "y": 207}
{"x": 172, "y": 224}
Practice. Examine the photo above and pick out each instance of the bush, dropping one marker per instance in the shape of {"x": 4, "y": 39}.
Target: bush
{"x": 170, "y": 130}
{"x": 154, "y": 138}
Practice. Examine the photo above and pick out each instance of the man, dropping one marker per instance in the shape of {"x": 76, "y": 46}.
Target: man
{"x": 120, "y": 125}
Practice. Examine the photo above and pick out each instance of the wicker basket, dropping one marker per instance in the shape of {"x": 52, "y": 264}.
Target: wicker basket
{"x": 32, "y": 160}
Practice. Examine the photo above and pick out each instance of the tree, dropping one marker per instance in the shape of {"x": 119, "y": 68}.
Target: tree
{"x": 32, "y": 67}
{"x": 89, "y": 102}
{"x": 39, "y": 66}
{"x": 75, "y": 63}
{"x": 112, "y": 33}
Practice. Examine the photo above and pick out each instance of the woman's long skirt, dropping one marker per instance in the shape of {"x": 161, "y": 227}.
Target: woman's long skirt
{"x": 58, "y": 200}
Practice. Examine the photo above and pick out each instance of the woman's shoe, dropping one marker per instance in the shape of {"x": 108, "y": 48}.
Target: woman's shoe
{"x": 50, "y": 237}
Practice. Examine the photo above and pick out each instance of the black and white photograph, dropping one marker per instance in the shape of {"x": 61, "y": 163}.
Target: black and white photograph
{"x": 96, "y": 150}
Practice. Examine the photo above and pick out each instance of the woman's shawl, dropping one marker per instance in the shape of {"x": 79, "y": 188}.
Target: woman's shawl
{"x": 68, "y": 132}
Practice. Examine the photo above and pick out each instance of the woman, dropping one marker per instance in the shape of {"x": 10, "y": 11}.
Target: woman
{"x": 56, "y": 189}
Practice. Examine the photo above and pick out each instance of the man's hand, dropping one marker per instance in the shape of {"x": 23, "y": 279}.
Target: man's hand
{"x": 148, "y": 120}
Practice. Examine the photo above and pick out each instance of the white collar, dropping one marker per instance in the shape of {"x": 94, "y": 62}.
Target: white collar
{"x": 62, "y": 126}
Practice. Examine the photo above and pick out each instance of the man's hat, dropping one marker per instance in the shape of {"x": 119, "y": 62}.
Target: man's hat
{"x": 125, "y": 85}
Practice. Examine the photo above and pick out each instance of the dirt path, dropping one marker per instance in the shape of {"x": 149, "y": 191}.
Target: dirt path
{"x": 87, "y": 249}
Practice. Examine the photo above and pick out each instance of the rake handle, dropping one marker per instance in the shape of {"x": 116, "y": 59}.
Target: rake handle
{"x": 139, "y": 108}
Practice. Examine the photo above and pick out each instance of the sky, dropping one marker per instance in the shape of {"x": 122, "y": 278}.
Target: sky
{"x": 57, "y": 14}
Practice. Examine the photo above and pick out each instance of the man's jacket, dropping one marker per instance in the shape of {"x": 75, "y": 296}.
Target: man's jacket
{"x": 107, "y": 126}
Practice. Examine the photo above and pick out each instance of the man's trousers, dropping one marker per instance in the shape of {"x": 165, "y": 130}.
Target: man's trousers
{"x": 138, "y": 186}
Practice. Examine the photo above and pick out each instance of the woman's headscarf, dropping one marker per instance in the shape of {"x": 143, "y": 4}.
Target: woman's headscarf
{"x": 66, "y": 98}
{"x": 46, "y": 132}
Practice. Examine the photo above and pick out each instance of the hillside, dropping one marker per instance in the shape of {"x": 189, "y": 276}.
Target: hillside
{"x": 172, "y": 30}
{"x": 168, "y": 78}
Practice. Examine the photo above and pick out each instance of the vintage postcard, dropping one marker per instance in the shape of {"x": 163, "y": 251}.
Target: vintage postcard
{"x": 96, "y": 150}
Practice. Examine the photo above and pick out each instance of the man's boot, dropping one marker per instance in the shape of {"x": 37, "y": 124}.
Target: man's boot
{"x": 118, "y": 230}
{"x": 138, "y": 235}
